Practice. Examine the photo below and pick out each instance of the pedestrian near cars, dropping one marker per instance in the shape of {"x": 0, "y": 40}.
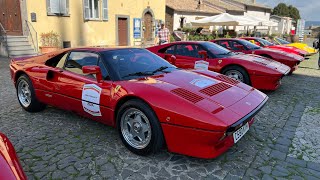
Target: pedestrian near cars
{"x": 316, "y": 45}
{"x": 163, "y": 35}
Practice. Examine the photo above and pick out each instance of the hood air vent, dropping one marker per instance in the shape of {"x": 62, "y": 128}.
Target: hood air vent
{"x": 227, "y": 79}
{"x": 185, "y": 94}
{"x": 215, "y": 89}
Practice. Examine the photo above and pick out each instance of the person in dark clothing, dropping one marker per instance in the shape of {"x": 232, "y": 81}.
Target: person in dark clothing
{"x": 318, "y": 47}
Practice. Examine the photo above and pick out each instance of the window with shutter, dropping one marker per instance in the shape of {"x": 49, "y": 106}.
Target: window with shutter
{"x": 86, "y": 9}
{"x": 58, "y": 7}
{"x": 105, "y": 10}
{"x": 91, "y": 9}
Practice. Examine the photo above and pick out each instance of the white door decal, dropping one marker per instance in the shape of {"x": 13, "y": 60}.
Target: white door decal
{"x": 204, "y": 65}
{"x": 91, "y": 99}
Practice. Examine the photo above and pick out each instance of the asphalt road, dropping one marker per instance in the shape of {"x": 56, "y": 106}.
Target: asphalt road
{"x": 283, "y": 142}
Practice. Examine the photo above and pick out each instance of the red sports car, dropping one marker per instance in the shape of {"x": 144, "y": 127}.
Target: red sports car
{"x": 10, "y": 168}
{"x": 266, "y": 44}
{"x": 151, "y": 102}
{"x": 257, "y": 71}
{"x": 240, "y": 45}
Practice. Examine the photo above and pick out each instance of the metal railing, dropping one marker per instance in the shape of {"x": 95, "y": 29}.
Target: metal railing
{"x": 33, "y": 35}
{"x": 4, "y": 39}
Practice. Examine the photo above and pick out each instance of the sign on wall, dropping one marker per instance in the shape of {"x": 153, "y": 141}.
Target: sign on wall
{"x": 136, "y": 28}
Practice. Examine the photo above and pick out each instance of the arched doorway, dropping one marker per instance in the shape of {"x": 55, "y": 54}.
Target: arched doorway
{"x": 148, "y": 26}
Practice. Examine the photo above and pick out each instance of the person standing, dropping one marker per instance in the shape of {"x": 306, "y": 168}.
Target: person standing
{"x": 318, "y": 47}
{"x": 163, "y": 35}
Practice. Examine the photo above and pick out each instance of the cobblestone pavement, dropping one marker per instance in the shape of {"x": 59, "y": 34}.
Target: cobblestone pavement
{"x": 283, "y": 143}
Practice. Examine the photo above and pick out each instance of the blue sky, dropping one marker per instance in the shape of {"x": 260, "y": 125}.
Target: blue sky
{"x": 309, "y": 9}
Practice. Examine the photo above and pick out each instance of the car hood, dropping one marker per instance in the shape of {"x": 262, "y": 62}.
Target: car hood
{"x": 209, "y": 91}
{"x": 281, "y": 54}
{"x": 290, "y": 48}
{"x": 304, "y": 47}
{"x": 269, "y": 63}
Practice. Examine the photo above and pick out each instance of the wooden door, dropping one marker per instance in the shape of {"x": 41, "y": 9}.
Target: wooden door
{"x": 10, "y": 16}
{"x": 123, "y": 31}
{"x": 148, "y": 27}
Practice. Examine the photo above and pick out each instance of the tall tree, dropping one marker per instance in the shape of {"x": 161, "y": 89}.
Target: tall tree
{"x": 286, "y": 11}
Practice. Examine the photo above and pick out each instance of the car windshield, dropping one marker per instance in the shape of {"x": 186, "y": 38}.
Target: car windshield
{"x": 216, "y": 50}
{"x": 282, "y": 41}
{"x": 126, "y": 64}
{"x": 249, "y": 45}
{"x": 265, "y": 42}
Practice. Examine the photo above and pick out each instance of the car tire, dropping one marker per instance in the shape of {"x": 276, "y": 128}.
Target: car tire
{"x": 141, "y": 135}
{"x": 237, "y": 73}
{"x": 26, "y": 95}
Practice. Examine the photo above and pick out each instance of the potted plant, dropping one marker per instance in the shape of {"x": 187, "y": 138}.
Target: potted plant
{"x": 49, "y": 42}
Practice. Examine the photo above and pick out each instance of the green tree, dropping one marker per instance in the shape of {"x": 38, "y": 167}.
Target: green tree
{"x": 286, "y": 11}
{"x": 281, "y": 10}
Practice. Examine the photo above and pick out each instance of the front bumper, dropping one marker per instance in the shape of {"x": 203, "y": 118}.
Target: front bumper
{"x": 203, "y": 143}
{"x": 269, "y": 83}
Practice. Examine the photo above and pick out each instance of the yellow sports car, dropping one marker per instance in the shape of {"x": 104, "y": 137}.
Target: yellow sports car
{"x": 301, "y": 46}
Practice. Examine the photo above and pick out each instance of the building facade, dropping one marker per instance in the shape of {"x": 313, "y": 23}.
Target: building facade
{"x": 85, "y": 22}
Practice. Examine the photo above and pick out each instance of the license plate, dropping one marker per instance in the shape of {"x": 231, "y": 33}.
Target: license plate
{"x": 240, "y": 132}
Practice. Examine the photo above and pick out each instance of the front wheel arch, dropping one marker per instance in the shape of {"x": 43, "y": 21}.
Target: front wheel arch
{"x": 238, "y": 66}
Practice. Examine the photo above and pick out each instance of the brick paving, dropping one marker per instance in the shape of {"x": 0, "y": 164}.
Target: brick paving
{"x": 282, "y": 143}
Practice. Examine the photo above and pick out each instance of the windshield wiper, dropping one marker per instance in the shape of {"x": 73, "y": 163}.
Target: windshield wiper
{"x": 160, "y": 69}
{"x": 225, "y": 53}
{"x": 138, "y": 74}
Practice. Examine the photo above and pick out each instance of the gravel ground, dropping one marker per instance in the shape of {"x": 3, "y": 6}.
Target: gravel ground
{"x": 283, "y": 143}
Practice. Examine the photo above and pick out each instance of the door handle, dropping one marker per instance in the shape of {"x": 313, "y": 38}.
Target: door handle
{"x": 3, "y": 14}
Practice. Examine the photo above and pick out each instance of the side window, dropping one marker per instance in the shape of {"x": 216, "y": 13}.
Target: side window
{"x": 77, "y": 60}
{"x": 167, "y": 50}
{"x": 104, "y": 72}
{"x": 187, "y": 50}
{"x": 62, "y": 61}
{"x": 236, "y": 46}
{"x": 224, "y": 44}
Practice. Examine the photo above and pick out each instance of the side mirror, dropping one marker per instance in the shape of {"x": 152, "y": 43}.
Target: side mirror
{"x": 170, "y": 58}
{"x": 204, "y": 54}
{"x": 93, "y": 70}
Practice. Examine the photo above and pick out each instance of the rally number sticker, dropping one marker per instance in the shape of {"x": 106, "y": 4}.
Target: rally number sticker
{"x": 91, "y": 99}
{"x": 203, "y": 65}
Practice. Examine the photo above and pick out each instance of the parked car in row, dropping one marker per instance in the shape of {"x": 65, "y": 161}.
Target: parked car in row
{"x": 266, "y": 44}
{"x": 151, "y": 102}
{"x": 259, "y": 72}
{"x": 10, "y": 167}
{"x": 301, "y": 46}
{"x": 240, "y": 45}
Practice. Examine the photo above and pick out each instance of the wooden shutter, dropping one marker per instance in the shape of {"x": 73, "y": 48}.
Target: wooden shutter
{"x": 105, "y": 9}
{"x": 64, "y": 7}
{"x": 54, "y": 6}
{"x": 86, "y": 9}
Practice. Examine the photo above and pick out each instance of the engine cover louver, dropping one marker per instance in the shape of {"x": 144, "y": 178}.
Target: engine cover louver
{"x": 215, "y": 89}
{"x": 185, "y": 94}
{"x": 227, "y": 79}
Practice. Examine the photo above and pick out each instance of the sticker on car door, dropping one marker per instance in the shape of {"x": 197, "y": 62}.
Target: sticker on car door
{"x": 203, "y": 65}
{"x": 91, "y": 99}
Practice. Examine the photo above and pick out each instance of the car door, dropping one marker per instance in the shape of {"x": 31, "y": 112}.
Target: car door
{"x": 187, "y": 55}
{"x": 167, "y": 52}
{"x": 81, "y": 92}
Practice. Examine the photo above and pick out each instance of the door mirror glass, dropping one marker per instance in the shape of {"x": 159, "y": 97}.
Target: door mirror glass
{"x": 203, "y": 54}
{"x": 93, "y": 70}
{"x": 170, "y": 58}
